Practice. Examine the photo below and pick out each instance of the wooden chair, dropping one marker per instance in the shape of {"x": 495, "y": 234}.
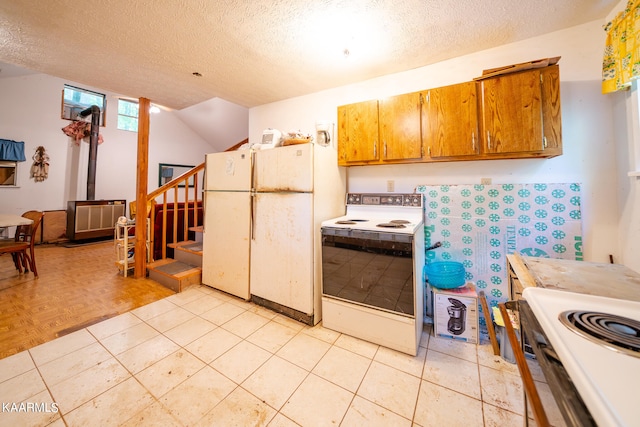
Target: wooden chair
{"x": 21, "y": 247}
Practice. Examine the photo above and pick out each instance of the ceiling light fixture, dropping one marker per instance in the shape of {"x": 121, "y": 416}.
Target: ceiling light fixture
{"x": 346, "y": 53}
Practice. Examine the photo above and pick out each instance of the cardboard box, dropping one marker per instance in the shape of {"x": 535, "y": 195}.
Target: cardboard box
{"x": 456, "y": 313}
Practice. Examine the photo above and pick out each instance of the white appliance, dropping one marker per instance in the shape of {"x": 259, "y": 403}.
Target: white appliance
{"x": 372, "y": 262}
{"x": 605, "y": 372}
{"x": 263, "y": 211}
{"x": 270, "y": 138}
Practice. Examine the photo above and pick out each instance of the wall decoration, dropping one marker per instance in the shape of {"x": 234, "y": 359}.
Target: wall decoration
{"x": 167, "y": 172}
{"x": 80, "y": 129}
{"x": 40, "y": 167}
{"x": 479, "y": 225}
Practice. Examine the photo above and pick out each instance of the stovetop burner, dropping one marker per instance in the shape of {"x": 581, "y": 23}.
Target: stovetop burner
{"x": 392, "y": 225}
{"x": 351, "y": 221}
{"x": 612, "y": 331}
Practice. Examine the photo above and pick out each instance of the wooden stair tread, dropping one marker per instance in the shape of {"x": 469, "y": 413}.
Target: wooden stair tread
{"x": 174, "y": 268}
{"x": 197, "y": 229}
{"x": 179, "y": 244}
{"x": 194, "y": 247}
{"x": 175, "y": 275}
{"x": 160, "y": 262}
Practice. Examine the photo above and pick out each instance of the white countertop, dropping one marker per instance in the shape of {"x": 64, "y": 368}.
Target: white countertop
{"x": 609, "y": 280}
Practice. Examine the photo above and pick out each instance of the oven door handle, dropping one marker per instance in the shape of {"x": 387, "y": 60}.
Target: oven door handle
{"x": 527, "y": 379}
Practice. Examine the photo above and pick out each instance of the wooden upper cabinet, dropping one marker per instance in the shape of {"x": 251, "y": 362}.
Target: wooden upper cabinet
{"x": 520, "y": 112}
{"x": 399, "y": 123}
{"x": 511, "y": 113}
{"x": 507, "y": 116}
{"x": 358, "y": 133}
{"x": 450, "y": 121}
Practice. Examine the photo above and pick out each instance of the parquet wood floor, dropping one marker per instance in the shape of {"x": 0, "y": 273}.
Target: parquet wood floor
{"x": 77, "y": 287}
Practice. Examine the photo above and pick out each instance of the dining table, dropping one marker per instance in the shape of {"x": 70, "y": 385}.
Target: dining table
{"x": 11, "y": 220}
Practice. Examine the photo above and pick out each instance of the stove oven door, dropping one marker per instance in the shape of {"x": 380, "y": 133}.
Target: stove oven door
{"x": 371, "y": 269}
{"x": 569, "y": 403}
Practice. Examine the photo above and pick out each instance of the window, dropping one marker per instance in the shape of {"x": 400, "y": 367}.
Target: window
{"x": 127, "y": 115}
{"x": 75, "y": 100}
{"x": 8, "y": 173}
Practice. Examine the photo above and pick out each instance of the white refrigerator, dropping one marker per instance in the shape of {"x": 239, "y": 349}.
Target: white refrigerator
{"x": 263, "y": 212}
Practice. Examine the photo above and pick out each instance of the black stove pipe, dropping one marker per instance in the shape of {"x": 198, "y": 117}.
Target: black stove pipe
{"x": 94, "y": 110}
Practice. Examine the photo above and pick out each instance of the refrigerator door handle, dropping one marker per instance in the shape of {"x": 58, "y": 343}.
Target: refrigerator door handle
{"x": 252, "y": 223}
{"x": 253, "y": 193}
{"x": 253, "y": 171}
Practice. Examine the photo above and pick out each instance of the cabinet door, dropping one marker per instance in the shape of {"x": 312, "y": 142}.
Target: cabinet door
{"x": 512, "y": 113}
{"x": 400, "y": 133}
{"x": 451, "y": 121}
{"x": 358, "y": 132}
{"x": 551, "y": 116}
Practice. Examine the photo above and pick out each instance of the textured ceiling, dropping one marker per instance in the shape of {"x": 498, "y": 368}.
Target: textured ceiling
{"x": 252, "y": 52}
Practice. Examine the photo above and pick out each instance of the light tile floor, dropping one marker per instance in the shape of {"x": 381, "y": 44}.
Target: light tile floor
{"x": 203, "y": 358}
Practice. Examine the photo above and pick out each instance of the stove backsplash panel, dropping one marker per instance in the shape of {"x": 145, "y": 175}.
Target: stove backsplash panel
{"x": 479, "y": 225}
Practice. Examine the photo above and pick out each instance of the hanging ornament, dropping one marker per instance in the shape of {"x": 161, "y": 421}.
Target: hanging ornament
{"x": 40, "y": 167}
{"x": 79, "y": 129}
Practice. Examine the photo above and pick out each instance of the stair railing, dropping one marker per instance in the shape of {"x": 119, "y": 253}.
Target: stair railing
{"x": 186, "y": 188}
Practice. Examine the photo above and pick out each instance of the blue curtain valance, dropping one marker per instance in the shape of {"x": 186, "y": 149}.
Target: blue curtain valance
{"x": 12, "y": 150}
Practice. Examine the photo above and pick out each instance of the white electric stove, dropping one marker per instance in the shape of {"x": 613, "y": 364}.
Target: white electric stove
{"x": 372, "y": 261}
{"x": 597, "y": 341}
{"x": 392, "y": 213}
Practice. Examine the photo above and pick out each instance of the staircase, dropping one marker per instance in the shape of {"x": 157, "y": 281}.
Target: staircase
{"x": 185, "y": 269}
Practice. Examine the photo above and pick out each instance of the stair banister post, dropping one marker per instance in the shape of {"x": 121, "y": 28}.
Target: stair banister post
{"x": 140, "y": 248}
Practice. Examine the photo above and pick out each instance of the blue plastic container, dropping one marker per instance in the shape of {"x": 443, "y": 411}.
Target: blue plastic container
{"x": 445, "y": 274}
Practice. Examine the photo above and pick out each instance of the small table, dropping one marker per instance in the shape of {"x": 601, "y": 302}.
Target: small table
{"x": 11, "y": 220}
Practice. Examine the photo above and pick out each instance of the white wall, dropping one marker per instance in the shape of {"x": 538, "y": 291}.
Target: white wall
{"x": 30, "y": 112}
{"x": 221, "y": 123}
{"x": 626, "y": 119}
{"x": 587, "y": 117}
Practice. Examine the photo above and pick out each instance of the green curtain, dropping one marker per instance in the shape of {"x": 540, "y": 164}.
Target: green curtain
{"x": 621, "y": 63}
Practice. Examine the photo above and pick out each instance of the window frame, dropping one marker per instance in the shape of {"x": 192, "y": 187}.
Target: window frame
{"x": 136, "y": 117}
{"x": 70, "y": 109}
{"x": 10, "y": 164}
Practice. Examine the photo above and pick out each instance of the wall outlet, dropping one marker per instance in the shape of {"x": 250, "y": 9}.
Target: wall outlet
{"x": 485, "y": 181}
{"x": 391, "y": 186}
